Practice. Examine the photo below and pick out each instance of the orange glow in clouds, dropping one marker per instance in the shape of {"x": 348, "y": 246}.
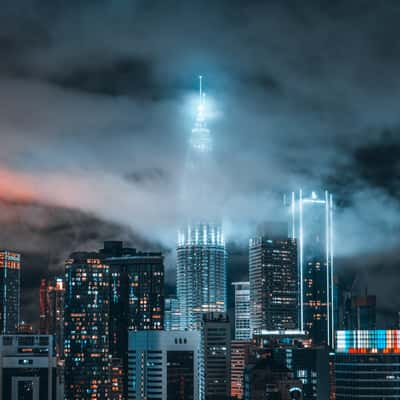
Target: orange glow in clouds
{"x": 15, "y": 187}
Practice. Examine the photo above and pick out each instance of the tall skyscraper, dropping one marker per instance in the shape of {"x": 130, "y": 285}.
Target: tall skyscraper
{"x": 201, "y": 273}
{"x": 87, "y": 314}
{"x": 367, "y": 365}
{"x": 172, "y": 315}
{"x": 51, "y": 296}
{"x": 201, "y": 253}
{"x": 136, "y": 297}
{"x": 163, "y": 365}
{"x": 312, "y": 226}
{"x": 240, "y": 355}
{"x": 10, "y": 288}
{"x": 242, "y": 310}
{"x": 274, "y": 284}
{"x": 215, "y": 357}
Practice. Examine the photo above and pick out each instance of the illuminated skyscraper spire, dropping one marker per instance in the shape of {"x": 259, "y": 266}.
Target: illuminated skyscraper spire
{"x": 201, "y": 253}
{"x": 201, "y": 138}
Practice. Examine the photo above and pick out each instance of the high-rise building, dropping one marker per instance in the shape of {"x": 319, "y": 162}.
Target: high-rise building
{"x": 51, "y": 308}
{"x": 201, "y": 273}
{"x": 274, "y": 284}
{"x": 215, "y": 357}
{"x": 309, "y": 365}
{"x": 10, "y": 288}
{"x": 240, "y": 355}
{"x": 27, "y": 367}
{"x": 163, "y": 365}
{"x": 312, "y": 226}
{"x": 363, "y": 312}
{"x": 266, "y": 380}
{"x": 367, "y": 365}
{"x": 87, "y": 315}
{"x": 172, "y": 315}
{"x": 201, "y": 253}
{"x": 136, "y": 297}
{"x": 43, "y": 307}
{"x": 242, "y": 310}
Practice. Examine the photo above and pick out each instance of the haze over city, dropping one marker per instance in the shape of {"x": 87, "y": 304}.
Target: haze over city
{"x": 96, "y": 109}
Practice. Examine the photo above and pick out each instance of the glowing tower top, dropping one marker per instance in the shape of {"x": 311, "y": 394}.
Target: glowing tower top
{"x": 201, "y": 138}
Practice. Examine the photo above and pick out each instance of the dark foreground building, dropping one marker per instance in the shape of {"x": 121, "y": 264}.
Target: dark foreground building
{"x": 367, "y": 365}
{"x": 27, "y": 368}
{"x": 136, "y": 301}
{"x": 308, "y": 365}
{"x": 216, "y": 357}
{"x": 163, "y": 365}
{"x": 266, "y": 380}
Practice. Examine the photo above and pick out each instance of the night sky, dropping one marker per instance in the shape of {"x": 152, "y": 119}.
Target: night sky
{"x": 96, "y": 108}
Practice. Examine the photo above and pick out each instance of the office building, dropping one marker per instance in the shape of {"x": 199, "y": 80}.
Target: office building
{"x": 201, "y": 253}
{"x": 242, "y": 310}
{"x": 274, "y": 284}
{"x": 27, "y": 367}
{"x": 215, "y": 357}
{"x": 367, "y": 365}
{"x": 363, "y": 312}
{"x": 308, "y": 365}
{"x": 87, "y": 315}
{"x": 163, "y": 365}
{"x": 311, "y": 223}
{"x": 201, "y": 273}
{"x": 240, "y": 354}
{"x": 10, "y": 288}
{"x": 264, "y": 379}
{"x": 172, "y": 315}
{"x": 51, "y": 308}
{"x": 136, "y": 297}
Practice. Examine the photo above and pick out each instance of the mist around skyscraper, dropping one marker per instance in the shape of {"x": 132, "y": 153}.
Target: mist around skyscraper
{"x": 220, "y": 236}
{"x": 108, "y": 329}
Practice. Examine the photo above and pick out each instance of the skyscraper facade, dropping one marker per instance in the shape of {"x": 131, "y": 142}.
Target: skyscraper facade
{"x": 201, "y": 253}
{"x": 10, "y": 288}
{"x": 367, "y": 365}
{"x": 27, "y": 367}
{"x": 242, "y": 310}
{"x": 163, "y": 365}
{"x": 274, "y": 284}
{"x": 136, "y": 292}
{"x": 312, "y": 226}
{"x": 136, "y": 297}
{"x": 87, "y": 314}
{"x": 172, "y": 315}
{"x": 215, "y": 357}
{"x": 240, "y": 355}
{"x": 201, "y": 273}
{"x": 51, "y": 297}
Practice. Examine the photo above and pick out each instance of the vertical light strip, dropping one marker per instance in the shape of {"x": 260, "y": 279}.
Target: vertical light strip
{"x": 301, "y": 259}
{"x": 328, "y": 297}
{"x": 293, "y": 215}
{"x": 331, "y": 262}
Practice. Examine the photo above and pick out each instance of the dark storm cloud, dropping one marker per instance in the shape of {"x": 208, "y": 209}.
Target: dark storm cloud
{"x": 96, "y": 110}
{"x": 47, "y": 235}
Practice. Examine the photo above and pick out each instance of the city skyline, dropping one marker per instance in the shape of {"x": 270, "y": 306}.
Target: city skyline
{"x": 295, "y": 113}
{"x": 199, "y": 200}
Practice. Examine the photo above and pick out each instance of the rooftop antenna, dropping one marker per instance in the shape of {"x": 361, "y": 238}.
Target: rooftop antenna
{"x": 201, "y": 86}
